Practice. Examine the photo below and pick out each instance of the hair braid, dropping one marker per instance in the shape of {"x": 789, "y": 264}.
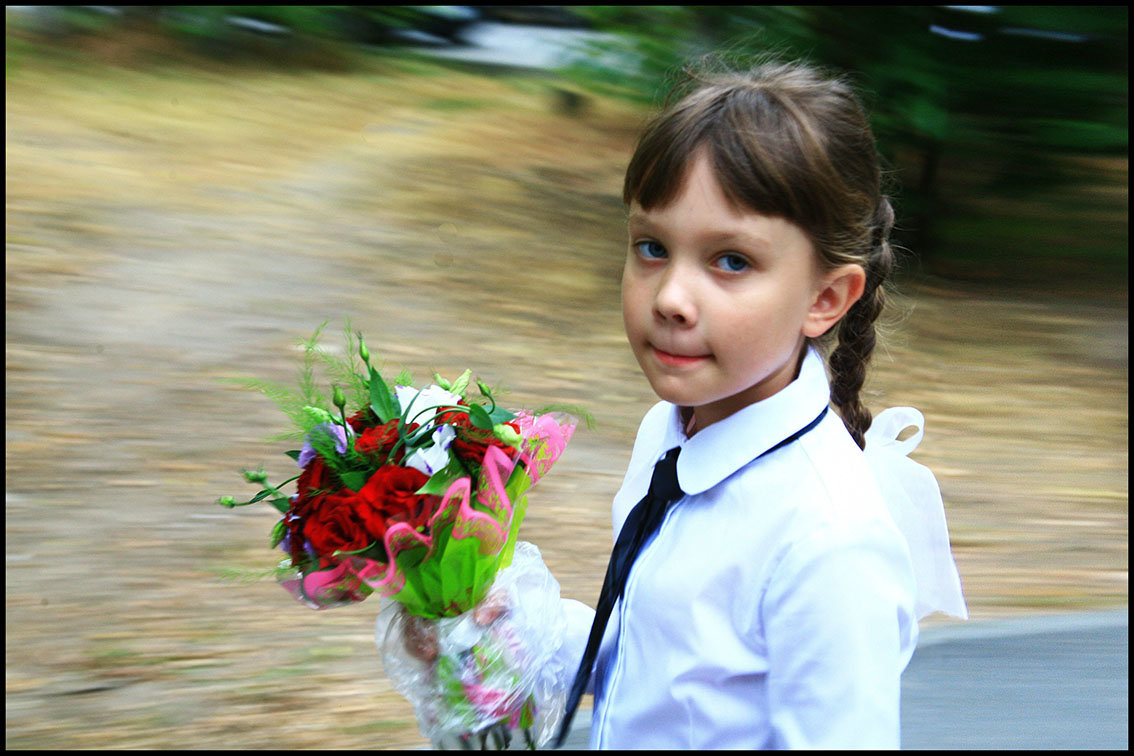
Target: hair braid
{"x": 856, "y": 331}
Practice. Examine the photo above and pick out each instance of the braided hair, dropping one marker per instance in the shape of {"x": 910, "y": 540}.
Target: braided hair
{"x": 786, "y": 140}
{"x": 847, "y": 362}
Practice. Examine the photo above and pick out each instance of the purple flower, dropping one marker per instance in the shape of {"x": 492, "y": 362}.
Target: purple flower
{"x": 307, "y": 453}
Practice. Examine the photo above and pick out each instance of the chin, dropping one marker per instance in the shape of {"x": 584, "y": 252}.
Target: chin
{"x": 680, "y": 396}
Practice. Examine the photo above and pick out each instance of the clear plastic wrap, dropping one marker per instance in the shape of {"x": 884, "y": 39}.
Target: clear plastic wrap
{"x": 488, "y": 677}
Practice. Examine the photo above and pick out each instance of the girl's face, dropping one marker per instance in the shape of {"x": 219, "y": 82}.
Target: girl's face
{"x": 717, "y": 301}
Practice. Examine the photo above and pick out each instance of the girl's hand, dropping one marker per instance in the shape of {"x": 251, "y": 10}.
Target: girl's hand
{"x": 420, "y": 638}
{"x": 493, "y": 607}
{"x": 421, "y": 635}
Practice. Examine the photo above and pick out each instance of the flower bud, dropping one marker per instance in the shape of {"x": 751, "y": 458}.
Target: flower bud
{"x": 255, "y": 476}
{"x": 461, "y": 384}
{"x": 507, "y": 434}
{"x": 338, "y": 398}
{"x": 318, "y": 414}
{"x": 227, "y": 501}
{"x": 363, "y": 352}
{"x": 278, "y": 533}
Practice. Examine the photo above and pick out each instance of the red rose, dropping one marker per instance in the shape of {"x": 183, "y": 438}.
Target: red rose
{"x": 471, "y": 443}
{"x": 390, "y": 496}
{"x": 333, "y": 524}
{"x": 315, "y": 482}
{"x": 380, "y": 439}
{"x": 359, "y": 420}
{"x": 377, "y": 439}
{"x": 454, "y": 417}
{"x": 316, "y": 477}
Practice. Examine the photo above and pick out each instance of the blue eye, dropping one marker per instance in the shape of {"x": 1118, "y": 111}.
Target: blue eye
{"x": 732, "y": 263}
{"x": 650, "y": 250}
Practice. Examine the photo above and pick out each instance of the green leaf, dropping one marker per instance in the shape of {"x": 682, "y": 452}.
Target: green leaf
{"x": 354, "y": 480}
{"x": 262, "y": 495}
{"x": 384, "y": 403}
{"x": 501, "y": 415}
{"x": 367, "y": 548}
{"x": 281, "y": 505}
{"x": 294, "y": 454}
{"x": 440, "y": 481}
{"x": 480, "y": 418}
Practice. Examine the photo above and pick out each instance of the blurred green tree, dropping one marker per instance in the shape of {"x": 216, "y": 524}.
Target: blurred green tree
{"x": 986, "y": 115}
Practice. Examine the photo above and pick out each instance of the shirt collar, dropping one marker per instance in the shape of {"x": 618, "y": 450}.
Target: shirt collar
{"x": 727, "y": 445}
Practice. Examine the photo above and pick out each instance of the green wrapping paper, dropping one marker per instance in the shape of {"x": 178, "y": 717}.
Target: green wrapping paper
{"x": 461, "y": 570}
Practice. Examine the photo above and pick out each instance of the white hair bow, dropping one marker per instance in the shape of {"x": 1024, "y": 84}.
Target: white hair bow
{"x": 913, "y": 497}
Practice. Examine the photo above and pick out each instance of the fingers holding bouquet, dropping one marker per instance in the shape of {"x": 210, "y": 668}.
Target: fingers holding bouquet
{"x": 494, "y": 606}
{"x": 420, "y": 639}
{"x": 421, "y": 635}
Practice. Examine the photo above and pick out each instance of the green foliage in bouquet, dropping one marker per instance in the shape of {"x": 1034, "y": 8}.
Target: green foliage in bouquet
{"x": 298, "y": 403}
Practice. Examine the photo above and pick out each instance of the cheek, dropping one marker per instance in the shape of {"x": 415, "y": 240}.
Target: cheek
{"x": 750, "y": 331}
{"x": 632, "y": 300}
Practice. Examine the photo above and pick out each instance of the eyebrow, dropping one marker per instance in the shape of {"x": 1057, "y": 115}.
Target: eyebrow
{"x": 638, "y": 218}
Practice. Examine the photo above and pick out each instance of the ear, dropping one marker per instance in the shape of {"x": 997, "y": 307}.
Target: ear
{"x": 836, "y": 291}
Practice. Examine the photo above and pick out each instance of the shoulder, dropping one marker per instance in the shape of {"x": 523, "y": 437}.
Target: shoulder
{"x": 656, "y": 419}
{"x": 826, "y": 498}
{"x": 838, "y": 514}
{"x": 839, "y": 475}
{"x": 652, "y": 433}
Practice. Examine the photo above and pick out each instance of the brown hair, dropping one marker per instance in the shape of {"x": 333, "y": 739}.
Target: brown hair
{"x": 786, "y": 140}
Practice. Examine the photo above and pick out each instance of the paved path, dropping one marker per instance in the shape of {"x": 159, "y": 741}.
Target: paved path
{"x": 1052, "y": 682}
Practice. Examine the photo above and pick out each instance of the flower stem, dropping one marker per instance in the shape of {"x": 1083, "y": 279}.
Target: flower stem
{"x": 409, "y": 440}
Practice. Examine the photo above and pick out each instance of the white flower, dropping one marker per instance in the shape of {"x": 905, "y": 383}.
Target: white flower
{"x": 427, "y": 398}
{"x": 430, "y": 460}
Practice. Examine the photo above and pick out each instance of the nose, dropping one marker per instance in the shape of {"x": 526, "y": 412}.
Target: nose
{"x": 675, "y": 300}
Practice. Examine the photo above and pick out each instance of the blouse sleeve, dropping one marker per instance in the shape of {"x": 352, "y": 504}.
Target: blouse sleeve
{"x": 839, "y": 627}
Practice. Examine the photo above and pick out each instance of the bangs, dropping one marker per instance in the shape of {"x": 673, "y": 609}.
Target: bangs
{"x": 755, "y": 145}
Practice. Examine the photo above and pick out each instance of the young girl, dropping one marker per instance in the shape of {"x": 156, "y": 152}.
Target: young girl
{"x": 776, "y": 604}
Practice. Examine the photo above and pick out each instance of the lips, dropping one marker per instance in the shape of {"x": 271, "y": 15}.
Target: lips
{"x": 677, "y": 360}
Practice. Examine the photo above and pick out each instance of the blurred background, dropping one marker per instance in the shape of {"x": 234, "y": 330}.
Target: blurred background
{"x": 190, "y": 191}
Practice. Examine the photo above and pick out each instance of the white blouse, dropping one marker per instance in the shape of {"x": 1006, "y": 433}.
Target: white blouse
{"x": 775, "y": 606}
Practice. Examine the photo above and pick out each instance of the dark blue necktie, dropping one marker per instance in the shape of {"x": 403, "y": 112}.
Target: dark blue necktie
{"x": 642, "y": 522}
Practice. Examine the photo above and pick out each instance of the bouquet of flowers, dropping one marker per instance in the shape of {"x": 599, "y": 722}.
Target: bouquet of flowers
{"x": 418, "y": 495}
